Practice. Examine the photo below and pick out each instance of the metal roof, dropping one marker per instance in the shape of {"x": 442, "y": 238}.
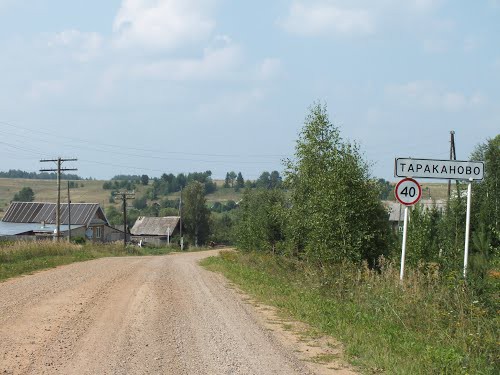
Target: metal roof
{"x": 33, "y": 212}
{"x": 154, "y": 226}
{"x": 13, "y": 229}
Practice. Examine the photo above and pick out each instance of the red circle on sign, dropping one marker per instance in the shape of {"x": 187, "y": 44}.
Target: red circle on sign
{"x": 404, "y": 200}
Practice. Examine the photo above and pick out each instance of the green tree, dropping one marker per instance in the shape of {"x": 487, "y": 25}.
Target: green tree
{"x": 275, "y": 180}
{"x": 140, "y": 203}
{"x": 240, "y": 181}
{"x": 423, "y": 243}
{"x": 144, "y": 179}
{"x": 227, "y": 181}
{"x": 249, "y": 184}
{"x": 221, "y": 228}
{"x": 261, "y": 220}
{"x": 264, "y": 181}
{"x": 26, "y": 194}
{"x": 232, "y": 177}
{"x": 195, "y": 213}
{"x": 385, "y": 190}
{"x": 114, "y": 216}
{"x": 486, "y": 194}
{"x": 181, "y": 180}
{"x": 335, "y": 212}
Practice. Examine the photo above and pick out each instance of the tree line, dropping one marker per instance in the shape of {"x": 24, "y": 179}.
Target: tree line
{"x": 17, "y": 173}
{"x": 267, "y": 180}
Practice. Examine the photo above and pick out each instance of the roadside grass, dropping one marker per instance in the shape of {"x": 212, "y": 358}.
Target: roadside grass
{"x": 428, "y": 325}
{"x": 19, "y": 258}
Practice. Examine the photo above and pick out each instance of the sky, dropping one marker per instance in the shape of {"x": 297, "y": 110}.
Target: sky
{"x": 171, "y": 86}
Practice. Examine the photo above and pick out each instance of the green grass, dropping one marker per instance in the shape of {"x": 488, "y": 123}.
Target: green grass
{"x": 428, "y": 325}
{"x": 19, "y": 258}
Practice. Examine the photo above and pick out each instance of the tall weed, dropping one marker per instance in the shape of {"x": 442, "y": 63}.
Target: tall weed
{"x": 432, "y": 323}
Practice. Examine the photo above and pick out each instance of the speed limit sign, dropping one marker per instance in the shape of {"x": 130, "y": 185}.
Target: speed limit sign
{"x": 408, "y": 191}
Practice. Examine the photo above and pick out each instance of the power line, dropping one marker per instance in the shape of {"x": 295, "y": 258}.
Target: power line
{"x": 86, "y": 141}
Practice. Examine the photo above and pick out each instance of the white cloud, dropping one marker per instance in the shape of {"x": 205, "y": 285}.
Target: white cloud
{"x": 362, "y": 17}
{"x": 431, "y": 96}
{"x": 269, "y": 68}
{"x": 314, "y": 18}
{"x": 215, "y": 63}
{"x": 82, "y": 46}
{"x": 163, "y": 24}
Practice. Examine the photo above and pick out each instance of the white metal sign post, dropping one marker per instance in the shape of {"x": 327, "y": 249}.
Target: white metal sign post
{"x": 467, "y": 227}
{"x": 446, "y": 170}
{"x": 408, "y": 192}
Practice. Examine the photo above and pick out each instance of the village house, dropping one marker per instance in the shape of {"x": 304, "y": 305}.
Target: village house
{"x": 34, "y": 220}
{"x": 155, "y": 230}
{"x": 396, "y": 210}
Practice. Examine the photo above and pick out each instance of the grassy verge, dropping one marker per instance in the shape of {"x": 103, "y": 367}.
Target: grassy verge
{"x": 20, "y": 258}
{"x": 429, "y": 325}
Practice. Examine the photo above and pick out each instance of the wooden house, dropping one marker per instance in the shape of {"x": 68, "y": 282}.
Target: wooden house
{"x": 35, "y": 220}
{"x": 155, "y": 230}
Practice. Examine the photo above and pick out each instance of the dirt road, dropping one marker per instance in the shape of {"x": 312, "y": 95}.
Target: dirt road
{"x": 146, "y": 315}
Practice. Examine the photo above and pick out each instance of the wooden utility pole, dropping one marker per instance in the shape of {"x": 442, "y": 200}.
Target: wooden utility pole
{"x": 125, "y": 196}
{"x": 69, "y": 216}
{"x": 453, "y": 156}
{"x": 58, "y": 170}
{"x": 180, "y": 222}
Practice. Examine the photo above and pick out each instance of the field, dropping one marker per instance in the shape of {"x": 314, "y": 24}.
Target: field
{"x": 88, "y": 191}
{"x": 438, "y": 191}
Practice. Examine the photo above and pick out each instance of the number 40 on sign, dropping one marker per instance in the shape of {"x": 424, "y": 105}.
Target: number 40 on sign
{"x": 408, "y": 191}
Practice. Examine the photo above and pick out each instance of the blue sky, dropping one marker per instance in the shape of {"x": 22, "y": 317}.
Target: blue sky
{"x": 153, "y": 86}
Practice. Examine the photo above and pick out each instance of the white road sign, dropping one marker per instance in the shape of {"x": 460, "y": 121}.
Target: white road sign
{"x": 408, "y": 191}
{"x": 443, "y": 169}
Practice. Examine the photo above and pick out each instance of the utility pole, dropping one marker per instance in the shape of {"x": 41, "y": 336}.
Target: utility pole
{"x": 58, "y": 170}
{"x": 125, "y": 196}
{"x": 180, "y": 222}
{"x": 69, "y": 216}
{"x": 453, "y": 156}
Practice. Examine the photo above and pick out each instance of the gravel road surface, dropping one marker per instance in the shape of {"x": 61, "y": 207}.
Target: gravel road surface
{"x": 137, "y": 315}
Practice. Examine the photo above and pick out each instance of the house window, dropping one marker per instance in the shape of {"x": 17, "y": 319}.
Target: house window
{"x": 98, "y": 232}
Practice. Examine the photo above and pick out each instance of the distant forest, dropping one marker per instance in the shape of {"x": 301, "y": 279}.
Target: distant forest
{"x": 16, "y": 173}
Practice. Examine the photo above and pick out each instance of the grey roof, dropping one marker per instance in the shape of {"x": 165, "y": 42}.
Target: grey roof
{"x": 35, "y": 212}
{"x": 119, "y": 228}
{"x": 13, "y": 229}
{"x": 154, "y": 226}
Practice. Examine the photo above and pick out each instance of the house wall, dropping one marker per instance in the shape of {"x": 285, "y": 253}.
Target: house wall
{"x": 108, "y": 234}
{"x": 151, "y": 240}
{"x": 78, "y": 232}
{"x": 112, "y": 235}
